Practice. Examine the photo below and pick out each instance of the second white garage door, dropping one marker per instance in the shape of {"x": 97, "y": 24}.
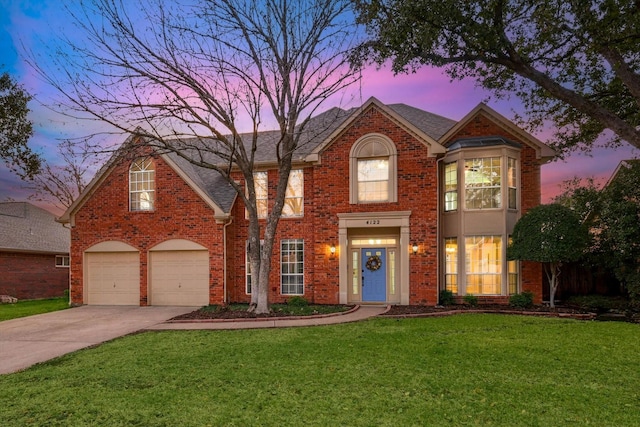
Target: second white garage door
{"x": 179, "y": 278}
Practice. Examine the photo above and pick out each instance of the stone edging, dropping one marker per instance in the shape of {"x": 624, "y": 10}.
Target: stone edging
{"x": 577, "y": 316}
{"x": 263, "y": 319}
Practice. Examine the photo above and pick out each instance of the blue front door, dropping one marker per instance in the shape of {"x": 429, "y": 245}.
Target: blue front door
{"x": 374, "y": 275}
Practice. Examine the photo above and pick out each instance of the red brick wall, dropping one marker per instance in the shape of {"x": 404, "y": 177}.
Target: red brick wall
{"x": 326, "y": 192}
{"x": 179, "y": 214}
{"x": 32, "y": 276}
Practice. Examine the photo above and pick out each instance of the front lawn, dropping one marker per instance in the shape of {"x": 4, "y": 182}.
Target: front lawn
{"x": 31, "y": 307}
{"x": 477, "y": 369}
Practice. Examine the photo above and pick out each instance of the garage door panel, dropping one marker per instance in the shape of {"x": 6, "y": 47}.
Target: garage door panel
{"x": 179, "y": 278}
{"x": 113, "y": 278}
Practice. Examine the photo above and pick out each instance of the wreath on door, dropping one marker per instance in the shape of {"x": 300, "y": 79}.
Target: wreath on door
{"x": 374, "y": 263}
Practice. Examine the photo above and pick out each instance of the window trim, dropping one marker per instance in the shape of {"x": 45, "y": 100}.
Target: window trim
{"x": 264, "y": 215}
{"x": 295, "y": 196}
{"x": 289, "y": 274}
{"x": 453, "y": 183}
{"x": 146, "y": 165}
{"x": 62, "y": 263}
{"x": 373, "y": 146}
{"x": 499, "y": 186}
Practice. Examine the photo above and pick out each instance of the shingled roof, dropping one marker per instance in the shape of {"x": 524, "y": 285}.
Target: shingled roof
{"x": 28, "y": 228}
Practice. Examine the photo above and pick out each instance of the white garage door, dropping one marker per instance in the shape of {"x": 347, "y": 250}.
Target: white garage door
{"x": 113, "y": 278}
{"x": 179, "y": 278}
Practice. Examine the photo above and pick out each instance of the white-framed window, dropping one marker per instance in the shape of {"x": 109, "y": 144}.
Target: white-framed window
{"x": 483, "y": 183}
{"x": 512, "y": 183}
{"x": 294, "y": 197}
{"x": 142, "y": 185}
{"x": 261, "y": 185}
{"x": 247, "y": 263}
{"x": 483, "y": 265}
{"x": 451, "y": 264}
{"x": 373, "y": 170}
{"x": 292, "y": 267}
{"x": 513, "y": 274}
{"x": 63, "y": 261}
{"x": 451, "y": 186}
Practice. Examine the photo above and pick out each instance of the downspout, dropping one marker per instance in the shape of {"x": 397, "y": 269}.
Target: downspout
{"x": 224, "y": 256}
{"x": 439, "y": 226}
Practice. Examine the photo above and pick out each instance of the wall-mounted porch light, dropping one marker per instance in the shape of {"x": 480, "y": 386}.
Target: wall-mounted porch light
{"x": 414, "y": 248}
{"x": 332, "y": 250}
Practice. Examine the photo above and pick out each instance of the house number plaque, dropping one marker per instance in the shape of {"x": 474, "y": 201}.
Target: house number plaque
{"x": 372, "y": 222}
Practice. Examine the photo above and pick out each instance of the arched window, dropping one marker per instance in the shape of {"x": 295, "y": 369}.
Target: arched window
{"x": 373, "y": 176}
{"x": 142, "y": 185}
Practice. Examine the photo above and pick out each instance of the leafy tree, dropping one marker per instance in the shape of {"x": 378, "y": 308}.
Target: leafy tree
{"x": 16, "y": 129}
{"x": 619, "y": 227}
{"x": 572, "y": 62}
{"x": 188, "y": 77}
{"x": 550, "y": 234}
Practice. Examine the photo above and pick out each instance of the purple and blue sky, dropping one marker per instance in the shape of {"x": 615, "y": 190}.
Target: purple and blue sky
{"x": 25, "y": 23}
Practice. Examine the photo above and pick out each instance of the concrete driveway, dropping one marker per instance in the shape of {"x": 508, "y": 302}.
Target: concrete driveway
{"x": 35, "y": 339}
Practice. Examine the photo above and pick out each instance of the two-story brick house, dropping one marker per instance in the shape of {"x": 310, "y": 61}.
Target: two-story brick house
{"x": 386, "y": 204}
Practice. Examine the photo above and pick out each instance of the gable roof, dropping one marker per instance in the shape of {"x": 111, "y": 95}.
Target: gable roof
{"x": 30, "y": 229}
{"x": 543, "y": 152}
{"x": 426, "y": 127}
{"x": 627, "y": 164}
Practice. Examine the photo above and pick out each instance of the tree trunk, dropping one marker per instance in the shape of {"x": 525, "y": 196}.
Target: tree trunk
{"x": 552, "y": 270}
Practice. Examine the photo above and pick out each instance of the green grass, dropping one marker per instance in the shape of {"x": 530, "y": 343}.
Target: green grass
{"x": 31, "y": 307}
{"x": 455, "y": 371}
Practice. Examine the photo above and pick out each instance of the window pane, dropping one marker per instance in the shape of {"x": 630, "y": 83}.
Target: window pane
{"x": 511, "y": 183}
{"x": 292, "y": 267}
{"x": 355, "y": 278}
{"x": 451, "y": 264}
{"x": 482, "y": 182}
{"x": 373, "y": 180}
{"x": 483, "y": 265}
{"x": 142, "y": 185}
{"x": 294, "y": 197}
{"x": 451, "y": 186}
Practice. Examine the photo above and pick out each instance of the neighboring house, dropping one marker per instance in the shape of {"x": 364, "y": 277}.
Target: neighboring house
{"x": 34, "y": 252}
{"x": 386, "y": 204}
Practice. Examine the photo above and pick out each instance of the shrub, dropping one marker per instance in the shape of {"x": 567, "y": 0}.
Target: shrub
{"x": 297, "y": 302}
{"x": 470, "y": 299}
{"x": 599, "y": 303}
{"x": 446, "y": 297}
{"x": 523, "y": 300}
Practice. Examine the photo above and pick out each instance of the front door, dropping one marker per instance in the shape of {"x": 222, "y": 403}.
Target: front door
{"x": 374, "y": 275}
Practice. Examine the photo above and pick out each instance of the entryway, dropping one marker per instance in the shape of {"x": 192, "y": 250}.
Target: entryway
{"x": 374, "y": 274}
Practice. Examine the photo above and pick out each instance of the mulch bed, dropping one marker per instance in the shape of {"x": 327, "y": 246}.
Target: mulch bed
{"x": 396, "y": 311}
{"x": 243, "y": 314}
{"x": 419, "y": 310}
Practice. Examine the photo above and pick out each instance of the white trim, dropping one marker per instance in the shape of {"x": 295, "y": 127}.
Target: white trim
{"x": 111, "y": 246}
{"x": 178, "y": 245}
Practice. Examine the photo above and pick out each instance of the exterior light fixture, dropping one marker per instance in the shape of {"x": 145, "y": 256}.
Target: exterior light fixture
{"x": 332, "y": 249}
{"x": 414, "y": 248}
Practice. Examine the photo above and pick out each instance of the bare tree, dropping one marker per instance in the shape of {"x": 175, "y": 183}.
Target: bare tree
{"x": 190, "y": 77}
{"x": 61, "y": 183}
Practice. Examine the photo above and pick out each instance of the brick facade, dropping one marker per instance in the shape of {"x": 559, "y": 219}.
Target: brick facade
{"x": 181, "y": 213}
{"x": 32, "y": 276}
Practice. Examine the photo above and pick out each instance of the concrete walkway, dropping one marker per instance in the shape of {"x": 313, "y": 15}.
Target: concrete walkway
{"x": 35, "y": 339}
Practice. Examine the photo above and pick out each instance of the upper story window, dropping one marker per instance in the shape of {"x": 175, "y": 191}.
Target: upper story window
{"x": 62, "y": 261}
{"x": 260, "y": 183}
{"x": 451, "y": 186}
{"x": 373, "y": 170}
{"x": 482, "y": 183}
{"x": 142, "y": 185}
{"x": 512, "y": 185}
{"x": 294, "y": 197}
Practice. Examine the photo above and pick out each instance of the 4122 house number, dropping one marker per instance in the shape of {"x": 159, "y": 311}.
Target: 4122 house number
{"x": 372, "y": 222}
